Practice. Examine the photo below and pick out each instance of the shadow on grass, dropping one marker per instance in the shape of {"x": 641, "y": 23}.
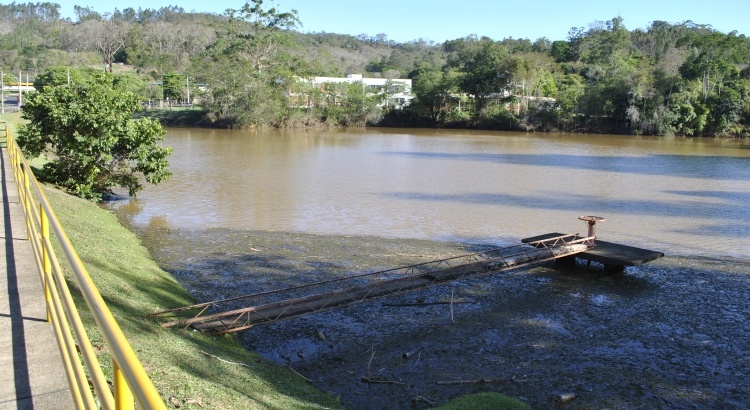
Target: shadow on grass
{"x": 133, "y": 286}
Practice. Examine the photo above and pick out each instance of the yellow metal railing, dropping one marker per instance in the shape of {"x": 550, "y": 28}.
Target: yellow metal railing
{"x": 3, "y": 132}
{"x": 130, "y": 382}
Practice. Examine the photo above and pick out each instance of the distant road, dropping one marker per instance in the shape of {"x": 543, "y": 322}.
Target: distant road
{"x": 11, "y": 104}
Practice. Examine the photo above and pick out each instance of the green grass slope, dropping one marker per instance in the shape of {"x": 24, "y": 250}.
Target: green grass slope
{"x": 485, "y": 401}
{"x": 184, "y": 365}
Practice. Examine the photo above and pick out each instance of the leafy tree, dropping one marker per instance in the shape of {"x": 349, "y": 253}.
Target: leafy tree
{"x": 104, "y": 36}
{"x": 607, "y": 50}
{"x": 348, "y": 104}
{"x": 54, "y": 76}
{"x": 130, "y": 81}
{"x": 570, "y": 51}
{"x": 30, "y": 11}
{"x": 666, "y": 79}
{"x": 174, "y": 85}
{"x": 541, "y": 45}
{"x": 86, "y": 14}
{"x": 94, "y": 142}
{"x": 8, "y": 78}
{"x": 570, "y": 89}
{"x": 433, "y": 89}
{"x": 127, "y": 14}
{"x": 488, "y": 69}
{"x": 716, "y": 56}
{"x": 661, "y": 37}
{"x": 519, "y": 45}
{"x": 247, "y": 67}
{"x": 534, "y": 73}
{"x": 256, "y": 34}
{"x": 237, "y": 96}
{"x": 560, "y": 51}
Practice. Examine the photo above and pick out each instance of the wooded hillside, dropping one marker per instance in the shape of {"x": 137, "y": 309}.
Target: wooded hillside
{"x": 667, "y": 79}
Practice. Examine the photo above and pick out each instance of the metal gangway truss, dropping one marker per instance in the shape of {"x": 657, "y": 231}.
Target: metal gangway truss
{"x": 274, "y": 305}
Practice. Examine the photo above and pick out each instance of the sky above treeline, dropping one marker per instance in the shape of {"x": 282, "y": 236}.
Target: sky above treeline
{"x": 440, "y": 20}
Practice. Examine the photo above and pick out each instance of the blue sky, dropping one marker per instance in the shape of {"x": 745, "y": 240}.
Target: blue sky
{"x": 441, "y": 20}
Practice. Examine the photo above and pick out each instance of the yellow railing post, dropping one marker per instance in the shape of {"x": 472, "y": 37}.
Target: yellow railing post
{"x": 123, "y": 396}
{"x": 131, "y": 383}
{"x": 26, "y": 202}
{"x": 46, "y": 263}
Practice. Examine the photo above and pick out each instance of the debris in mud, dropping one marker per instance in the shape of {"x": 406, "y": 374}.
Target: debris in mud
{"x": 672, "y": 333}
{"x": 566, "y": 397}
{"x": 377, "y": 380}
{"x": 478, "y": 381}
{"x": 298, "y": 374}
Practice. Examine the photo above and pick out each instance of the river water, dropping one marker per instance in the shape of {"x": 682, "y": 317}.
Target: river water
{"x": 242, "y": 211}
{"x": 682, "y": 196}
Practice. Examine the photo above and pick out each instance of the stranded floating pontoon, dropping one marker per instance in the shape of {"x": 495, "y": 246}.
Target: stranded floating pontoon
{"x": 271, "y": 306}
{"x": 614, "y": 257}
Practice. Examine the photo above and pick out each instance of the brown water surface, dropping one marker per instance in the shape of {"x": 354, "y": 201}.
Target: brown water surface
{"x": 677, "y": 195}
{"x": 240, "y": 213}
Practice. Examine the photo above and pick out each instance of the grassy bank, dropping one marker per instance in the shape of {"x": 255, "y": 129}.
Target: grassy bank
{"x": 176, "y": 116}
{"x": 485, "y": 401}
{"x": 184, "y": 365}
{"x": 189, "y": 369}
{"x": 11, "y": 119}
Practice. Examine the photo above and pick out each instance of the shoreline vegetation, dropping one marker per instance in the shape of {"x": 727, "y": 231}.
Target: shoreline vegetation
{"x": 189, "y": 369}
{"x": 252, "y": 68}
{"x": 193, "y": 370}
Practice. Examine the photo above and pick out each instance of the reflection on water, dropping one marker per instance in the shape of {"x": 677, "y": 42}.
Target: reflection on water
{"x": 680, "y": 196}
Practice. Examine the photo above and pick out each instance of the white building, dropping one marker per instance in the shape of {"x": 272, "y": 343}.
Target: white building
{"x": 398, "y": 94}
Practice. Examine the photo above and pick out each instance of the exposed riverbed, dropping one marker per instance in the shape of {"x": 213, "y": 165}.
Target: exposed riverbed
{"x": 670, "y": 334}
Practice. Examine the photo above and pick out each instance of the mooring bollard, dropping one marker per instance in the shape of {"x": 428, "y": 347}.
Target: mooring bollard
{"x": 591, "y": 222}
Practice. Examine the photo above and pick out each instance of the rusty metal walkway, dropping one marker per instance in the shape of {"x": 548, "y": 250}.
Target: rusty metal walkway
{"x": 301, "y": 300}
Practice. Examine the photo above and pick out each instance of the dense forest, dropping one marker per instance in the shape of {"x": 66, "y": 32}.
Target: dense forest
{"x": 243, "y": 68}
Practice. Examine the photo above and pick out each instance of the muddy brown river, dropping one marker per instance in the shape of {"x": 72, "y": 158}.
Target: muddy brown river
{"x": 248, "y": 212}
{"x": 684, "y": 195}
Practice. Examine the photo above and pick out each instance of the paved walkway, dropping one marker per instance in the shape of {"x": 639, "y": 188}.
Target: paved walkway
{"x": 31, "y": 371}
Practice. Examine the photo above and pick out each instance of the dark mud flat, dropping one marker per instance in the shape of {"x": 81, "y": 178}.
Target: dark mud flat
{"x": 671, "y": 334}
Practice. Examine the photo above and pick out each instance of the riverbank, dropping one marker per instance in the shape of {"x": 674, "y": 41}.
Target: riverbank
{"x": 176, "y": 116}
{"x": 189, "y": 369}
{"x": 673, "y": 333}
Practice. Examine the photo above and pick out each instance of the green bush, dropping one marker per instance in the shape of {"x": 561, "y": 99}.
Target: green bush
{"x": 485, "y": 401}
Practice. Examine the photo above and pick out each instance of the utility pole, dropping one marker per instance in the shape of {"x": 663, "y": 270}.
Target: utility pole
{"x": 20, "y": 94}
{"x": 2, "y": 93}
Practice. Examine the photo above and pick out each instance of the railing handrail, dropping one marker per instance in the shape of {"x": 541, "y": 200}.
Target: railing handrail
{"x": 131, "y": 383}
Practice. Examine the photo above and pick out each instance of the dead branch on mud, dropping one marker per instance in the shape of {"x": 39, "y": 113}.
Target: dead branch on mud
{"x": 298, "y": 374}
{"x": 416, "y": 304}
{"x": 381, "y": 381}
{"x": 480, "y": 381}
{"x": 225, "y": 361}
